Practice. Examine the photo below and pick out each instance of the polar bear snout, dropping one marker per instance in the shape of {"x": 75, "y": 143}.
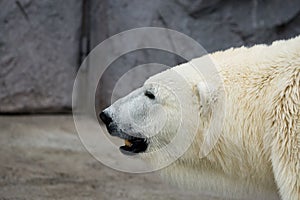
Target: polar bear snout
{"x": 106, "y": 119}
{"x": 134, "y": 142}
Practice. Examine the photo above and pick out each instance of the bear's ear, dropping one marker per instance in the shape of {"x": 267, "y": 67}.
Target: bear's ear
{"x": 211, "y": 114}
{"x": 207, "y": 96}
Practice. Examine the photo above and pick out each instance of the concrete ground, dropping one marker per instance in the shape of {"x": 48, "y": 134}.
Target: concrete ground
{"x": 41, "y": 157}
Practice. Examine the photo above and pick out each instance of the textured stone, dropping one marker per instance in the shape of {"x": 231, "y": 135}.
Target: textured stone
{"x": 39, "y": 43}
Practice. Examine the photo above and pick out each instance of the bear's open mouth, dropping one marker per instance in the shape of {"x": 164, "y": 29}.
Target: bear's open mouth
{"x": 134, "y": 145}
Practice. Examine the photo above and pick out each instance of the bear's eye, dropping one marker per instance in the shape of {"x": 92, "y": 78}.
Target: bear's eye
{"x": 149, "y": 94}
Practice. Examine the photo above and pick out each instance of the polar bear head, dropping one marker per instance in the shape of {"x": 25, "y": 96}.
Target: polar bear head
{"x": 142, "y": 117}
{"x": 149, "y": 118}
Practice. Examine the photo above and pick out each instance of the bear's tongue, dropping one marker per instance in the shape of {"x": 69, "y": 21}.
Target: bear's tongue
{"x": 128, "y": 143}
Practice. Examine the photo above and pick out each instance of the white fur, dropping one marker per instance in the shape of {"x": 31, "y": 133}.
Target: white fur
{"x": 257, "y": 151}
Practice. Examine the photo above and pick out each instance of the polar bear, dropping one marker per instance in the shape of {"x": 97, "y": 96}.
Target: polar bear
{"x": 256, "y": 149}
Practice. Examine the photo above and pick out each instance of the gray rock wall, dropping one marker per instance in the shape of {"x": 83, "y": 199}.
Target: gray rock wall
{"x": 41, "y": 41}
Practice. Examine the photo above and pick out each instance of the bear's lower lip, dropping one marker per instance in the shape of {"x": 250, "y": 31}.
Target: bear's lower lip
{"x": 134, "y": 146}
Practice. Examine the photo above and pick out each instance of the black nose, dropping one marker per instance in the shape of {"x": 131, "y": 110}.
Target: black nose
{"x": 105, "y": 118}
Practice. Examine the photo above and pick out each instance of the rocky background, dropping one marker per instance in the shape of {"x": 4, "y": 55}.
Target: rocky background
{"x": 43, "y": 42}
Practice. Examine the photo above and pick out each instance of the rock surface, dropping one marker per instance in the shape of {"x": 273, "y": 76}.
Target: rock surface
{"x": 39, "y": 42}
